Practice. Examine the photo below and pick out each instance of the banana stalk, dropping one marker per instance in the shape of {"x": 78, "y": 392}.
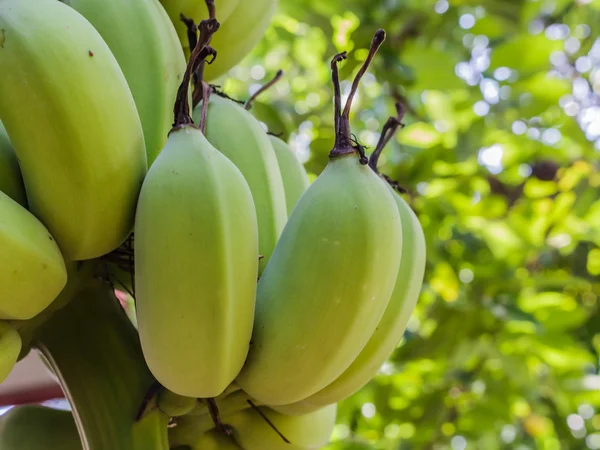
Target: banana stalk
{"x": 95, "y": 352}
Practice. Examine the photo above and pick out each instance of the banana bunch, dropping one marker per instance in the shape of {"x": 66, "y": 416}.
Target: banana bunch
{"x": 260, "y": 300}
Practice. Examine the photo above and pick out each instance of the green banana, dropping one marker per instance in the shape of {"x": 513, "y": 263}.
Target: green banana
{"x": 197, "y": 11}
{"x": 238, "y": 135}
{"x": 196, "y": 259}
{"x": 309, "y": 431}
{"x": 174, "y": 405}
{"x": 32, "y": 269}
{"x": 330, "y": 277}
{"x": 390, "y": 328}
{"x": 81, "y": 151}
{"x": 34, "y": 427}
{"x": 10, "y": 348}
{"x": 94, "y": 350}
{"x": 295, "y": 178}
{"x": 145, "y": 44}
{"x": 11, "y": 181}
{"x": 250, "y": 430}
{"x": 215, "y": 440}
{"x": 402, "y": 303}
{"x": 239, "y": 34}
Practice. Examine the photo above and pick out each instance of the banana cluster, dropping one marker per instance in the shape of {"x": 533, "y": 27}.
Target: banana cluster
{"x": 261, "y": 300}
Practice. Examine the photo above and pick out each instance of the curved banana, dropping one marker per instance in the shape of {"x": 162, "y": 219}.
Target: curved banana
{"x": 239, "y": 34}
{"x": 196, "y": 260}
{"x": 145, "y": 44}
{"x": 392, "y": 325}
{"x": 73, "y": 123}
{"x": 330, "y": 277}
{"x": 238, "y": 135}
{"x": 197, "y": 11}
{"x": 10, "y": 348}
{"x": 11, "y": 181}
{"x": 32, "y": 269}
{"x": 94, "y": 350}
{"x": 34, "y": 427}
{"x": 295, "y": 178}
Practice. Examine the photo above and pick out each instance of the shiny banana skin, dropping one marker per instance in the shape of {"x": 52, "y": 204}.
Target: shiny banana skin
{"x": 35, "y": 427}
{"x": 197, "y": 11}
{"x": 32, "y": 269}
{"x": 239, "y": 136}
{"x": 145, "y": 44}
{"x": 239, "y": 34}
{"x": 326, "y": 286}
{"x": 95, "y": 352}
{"x": 392, "y": 325}
{"x": 196, "y": 261}
{"x": 10, "y": 348}
{"x": 73, "y": 123}
{"x": 295, "y": 178}
{"x": 11, "y": 181}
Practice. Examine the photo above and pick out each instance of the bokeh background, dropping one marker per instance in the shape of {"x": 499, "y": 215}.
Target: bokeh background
{"x": 500, "y": 156}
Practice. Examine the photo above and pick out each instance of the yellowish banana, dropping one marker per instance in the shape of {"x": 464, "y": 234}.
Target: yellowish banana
{"x": 32, "y": 269}
{"x": 330, "y": 277}
{"x": 10, "y": 347}
{"x": 196, "y": 259}
{"x": 197, "y": 11}
{"x": 238, "y": 135}
{"x": 239, "y": 34}
{"x": 73, "y": 123}
{"x": 11, "y": 181}
{"x": 145, "y": 44}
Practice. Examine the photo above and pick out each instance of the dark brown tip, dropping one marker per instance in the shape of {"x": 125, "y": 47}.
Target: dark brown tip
{"x": 343, "y": 140}
{"x": 387, "y": 132}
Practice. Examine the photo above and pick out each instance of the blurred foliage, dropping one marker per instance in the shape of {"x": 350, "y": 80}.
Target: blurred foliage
{"x": 500, "y": 156}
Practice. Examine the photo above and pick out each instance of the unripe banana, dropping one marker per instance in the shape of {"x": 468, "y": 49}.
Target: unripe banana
{"x": 196, "y": 259}
{"x": 309, "y": 431}
{"x": 11, "y": 181}
{"x": 174, "y": 405}
{"x": 239, "y": 34}
{"x": 34, "y": 427}
{"x": 145, "y": 44}
{"x": 197, "y": 11}
{"x": 10, "y": 348}
{"x": 392, "y": 325}
{"x": 215, "y": 440}
{"x": 32, "y": 269}
{"x": 330, "y": 277}
{"x": 72, "y": 120}
{"x": 295, "y": 178}
{"x": 238, "y": 135}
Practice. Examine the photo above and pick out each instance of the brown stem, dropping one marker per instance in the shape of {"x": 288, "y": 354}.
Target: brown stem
{"x": 264, "y": 88}
{"x": 343, "y": 137}
{"x": 206, "y": 91}
{"x": 192, "y": 30}
{"x": 182, "y": 107}
{"x": 375, "y": 44}
{"x": 213, "y": 409}
{"x": 337, "y": 96}
{"x": 389, "y": 129}
{"x": 210, "y": 4}
{"x": 266, "y": 419}
{"x": 198, "y": 76}
{"x": 150, "y": 394}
